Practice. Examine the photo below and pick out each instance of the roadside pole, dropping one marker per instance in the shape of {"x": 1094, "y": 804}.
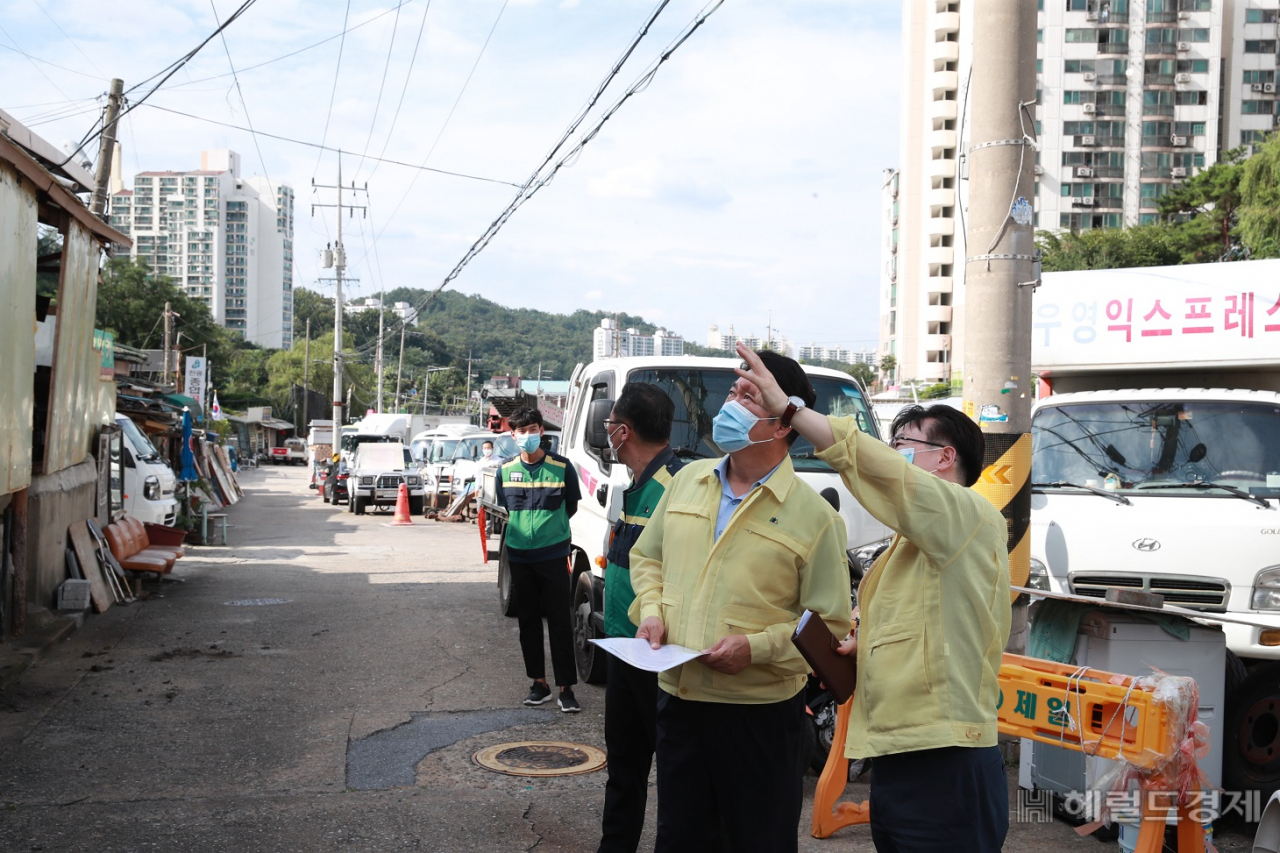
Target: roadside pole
{"x": 1000, "y": 270}
{"x": 400, "y": 368}
{"x": 306, "y": 374}
{"x": 106, "y": 148}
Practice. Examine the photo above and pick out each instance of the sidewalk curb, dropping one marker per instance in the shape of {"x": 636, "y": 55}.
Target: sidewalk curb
{"x": 45, "y": 630}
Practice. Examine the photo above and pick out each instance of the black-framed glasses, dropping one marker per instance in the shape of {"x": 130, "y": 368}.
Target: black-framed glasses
{"x": 897, "y": 440}
{"x": 608, "y": 423}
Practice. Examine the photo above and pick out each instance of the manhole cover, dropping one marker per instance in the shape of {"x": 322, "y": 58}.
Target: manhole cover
{"x": 257, "y": 602}
{"x": 540, "y": 758}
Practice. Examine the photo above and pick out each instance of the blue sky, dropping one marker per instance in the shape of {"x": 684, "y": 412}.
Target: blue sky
{"x": 741, "y": 185}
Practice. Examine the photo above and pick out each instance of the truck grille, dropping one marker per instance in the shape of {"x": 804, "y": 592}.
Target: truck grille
{"x": 1194, "y": 592}
{"x": 389, "y": 482}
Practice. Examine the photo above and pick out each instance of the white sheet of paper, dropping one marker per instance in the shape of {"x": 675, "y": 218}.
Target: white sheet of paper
{"x": 636, "y": 652}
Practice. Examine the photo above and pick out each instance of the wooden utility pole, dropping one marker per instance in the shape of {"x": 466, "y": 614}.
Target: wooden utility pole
{"x": 306, "y": 375}
{"x": 106, "y": 148}
{"x": 400, "y": 369}
{"x": 168, "y": 369}
{"x": 1000, "y": 271}
{"x": 382, "y": 313}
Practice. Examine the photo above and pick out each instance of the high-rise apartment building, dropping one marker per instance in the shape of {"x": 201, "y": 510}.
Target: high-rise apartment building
{"x": 227, "y": 241}
{"x": 1133, "y": 97}
{"x": 610, "y": 340}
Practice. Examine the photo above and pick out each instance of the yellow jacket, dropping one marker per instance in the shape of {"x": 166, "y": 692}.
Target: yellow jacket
{"x": 935, "y": 607}
{"x": 782, "y": 552}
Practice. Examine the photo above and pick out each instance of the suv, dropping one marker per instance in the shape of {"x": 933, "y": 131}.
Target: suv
{"x": 377, "y": 470}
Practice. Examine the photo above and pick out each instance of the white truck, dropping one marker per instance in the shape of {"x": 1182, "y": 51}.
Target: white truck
{"x": 319, "y": 442}
{"x": 377, "y": 470}
{"x": 698, "y": 386}
{"x": 1156, "y": 463}
{"x": 149, "y": 482}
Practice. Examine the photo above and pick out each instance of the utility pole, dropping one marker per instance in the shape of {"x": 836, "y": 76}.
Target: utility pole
{"x": 169, "y": 314}
{"x": 337, "y": 259}
{"x": 306, "y": 374}
{"x": 1001, "y": 270}
{"x": 425, "y": 390}
{"x": 106, "y": 148}
{"x": 382, "y": 313}
{"x": 400, "y": 368}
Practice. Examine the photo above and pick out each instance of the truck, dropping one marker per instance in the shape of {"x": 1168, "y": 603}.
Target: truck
{"x": 319, "y": 442}
{"x": 377, "y": 471}
{"x": 380, "y": 427}
{"x": 1156, "y": 463}
{"x": 698, "y": 387}
{"x": 149, "y": 483}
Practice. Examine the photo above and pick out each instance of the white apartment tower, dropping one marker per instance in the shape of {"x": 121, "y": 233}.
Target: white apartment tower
{"x": 609, "y": 340}
{"x": 1133, "y": 97}
{"x": 225, "y": 240}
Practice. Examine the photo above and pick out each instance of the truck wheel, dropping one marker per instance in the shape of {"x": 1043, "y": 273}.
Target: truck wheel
{"x": 506, "y": 592}
{"x": 358, "y": 505}
{"x": 415, "y": 506}
{"x": 324, "y": 496}
{"x": 1251, "y": 754}
{"x": 592, "y": 666}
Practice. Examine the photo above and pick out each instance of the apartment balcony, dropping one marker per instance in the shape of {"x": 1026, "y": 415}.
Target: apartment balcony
{"x": 942, "y": 168}
{"x": 1161, "y": 17}
{"x": 944, "y": 81}
{"x": 1113, "y": 48}
{"x": 940, "y": 343}
{"x": 1158, "y": 80}
{"x": 945, "y": 110}
{"x": 940, "y": 140}
{"x": 945, "y": 197}
{"x": 945, "y": 23}
{"x": 933, "y": 371}
{"x": 944, "y": 51}
{"x": 940, "y": 226}
{"x": 940, "y": 255}
{"x": 1112, "y": 80}
{"x": 1161, "y": 48}
{"x": 937, "y": 313}
{"x": 938, "y": 284}
{"x": 1157, "y": 109}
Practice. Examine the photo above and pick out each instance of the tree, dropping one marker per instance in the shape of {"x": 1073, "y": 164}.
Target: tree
{"x": 864, "y": 373}
{"x": 309, "y": 305}
{"x": 1203, "y": 210}
{"x": 1260, "y": 200}
{"x": 888, "y": 364}
{"x": 1110, "y": 248}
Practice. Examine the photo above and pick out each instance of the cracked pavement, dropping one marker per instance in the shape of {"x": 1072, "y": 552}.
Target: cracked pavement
{"x": 345, "y": 719}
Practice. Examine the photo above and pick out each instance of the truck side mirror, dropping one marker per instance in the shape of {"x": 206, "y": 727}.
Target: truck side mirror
{"x": 596, "y": 433}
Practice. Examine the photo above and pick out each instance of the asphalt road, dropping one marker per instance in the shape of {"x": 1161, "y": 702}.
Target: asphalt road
{"x": 320, "y": 684}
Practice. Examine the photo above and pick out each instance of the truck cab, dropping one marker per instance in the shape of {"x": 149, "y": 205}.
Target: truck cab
{"x": 149, "y": 483}
{"x": 377, "y": 471}
{"x": 698, "y": 386}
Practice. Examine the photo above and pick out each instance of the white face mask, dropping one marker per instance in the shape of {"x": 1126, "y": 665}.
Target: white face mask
{"x": 488, "y": 451}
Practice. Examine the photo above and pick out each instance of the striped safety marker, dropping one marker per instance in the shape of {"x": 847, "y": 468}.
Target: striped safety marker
{"x": 1006, "y": 482}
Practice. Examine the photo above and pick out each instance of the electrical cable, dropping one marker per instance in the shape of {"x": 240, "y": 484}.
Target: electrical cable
{"x": 333, "y": 92}
{"x": 404, "y": 89}
{"x": 329, "y": 148}
{"x": 68, "y": 37}
{"x": 34, "y": 58}
{"x": 235, "y": 77}
{"x": 381, "y": 86}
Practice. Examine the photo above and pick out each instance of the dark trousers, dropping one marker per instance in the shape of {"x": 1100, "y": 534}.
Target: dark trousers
{"x": 735, "y": 770}
{"x": 630, "y": 723}
{"x": 954, "y": 799}
{"x": 542, "y": 591}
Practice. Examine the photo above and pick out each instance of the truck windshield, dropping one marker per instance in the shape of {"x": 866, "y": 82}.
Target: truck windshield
{"x": 504, "y": 446}
{"x": 1169, "y": 448}
{"x": 142, "y": 446}
{"x": 699, "y": 394}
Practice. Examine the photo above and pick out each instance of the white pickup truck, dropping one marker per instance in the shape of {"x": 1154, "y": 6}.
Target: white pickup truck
{"x": 377, "y": 471}
{"x": 698, "y": 386}
{"x": 1156, "y": 463}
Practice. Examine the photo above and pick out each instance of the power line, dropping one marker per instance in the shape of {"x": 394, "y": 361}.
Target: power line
{"x": 262, "y": 160}
{"x": 334, "y": 91}
{"x": 378, "y": 102}
{"x": 33, "y": 58}
{"x": 403, "y": 90}
{"x": 329, "y": 148}
{"x": 68, "y": 37}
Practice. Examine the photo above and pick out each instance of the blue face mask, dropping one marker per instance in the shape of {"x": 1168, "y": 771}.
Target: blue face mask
{"x": 730, "y": 429}
{"x": 908, "y": 453}
{"x": 529, "y": 442}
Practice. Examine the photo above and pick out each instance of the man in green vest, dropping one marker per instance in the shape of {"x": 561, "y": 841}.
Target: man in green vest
{"x": 540, "y": 492}
{"x": 639, "y": 430}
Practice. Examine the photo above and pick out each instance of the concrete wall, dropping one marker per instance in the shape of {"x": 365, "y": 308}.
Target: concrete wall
{"x": 56, "y": 500}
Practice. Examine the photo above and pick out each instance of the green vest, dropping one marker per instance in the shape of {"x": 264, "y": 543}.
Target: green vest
{"x": 535, "y": 495}
{"x": 638, "y": 503}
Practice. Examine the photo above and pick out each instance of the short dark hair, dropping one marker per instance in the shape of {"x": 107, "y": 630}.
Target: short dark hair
{"x": 951, "y": 427}
{"x": 488, "y": 441}
{"x": 523, "y": 417}
{"x": 648, "y": 410}
{"x": 792, "y": 379}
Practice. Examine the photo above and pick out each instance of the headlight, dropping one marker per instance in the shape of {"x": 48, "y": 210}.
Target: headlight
{"x": 1266, "y": 589}
{"x": 412, "y": 481}
{"x": 1039, "y": 576}
{"x": 866, "y": 555}
{"x": 366, "y": 481}
{"x": 151, "y": 488}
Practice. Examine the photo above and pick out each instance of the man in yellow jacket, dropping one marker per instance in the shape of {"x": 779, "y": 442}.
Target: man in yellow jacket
{"x": 735, "y": 552}
{"x": 935, "y": 612}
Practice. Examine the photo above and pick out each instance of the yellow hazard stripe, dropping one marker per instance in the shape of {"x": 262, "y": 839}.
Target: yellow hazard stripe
{"x": 1006, "y": 483}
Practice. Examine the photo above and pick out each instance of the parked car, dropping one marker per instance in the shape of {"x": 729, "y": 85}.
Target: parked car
{"x": 334, "y": 489}
{"x": 377, "y": 472}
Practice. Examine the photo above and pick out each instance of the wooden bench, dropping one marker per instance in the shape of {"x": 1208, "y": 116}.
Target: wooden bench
{"x": 131, "y": 545}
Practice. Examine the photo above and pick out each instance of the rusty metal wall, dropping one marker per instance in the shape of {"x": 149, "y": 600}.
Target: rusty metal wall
{"x": 74, "y": 395}
{"x": 18, "y": 238}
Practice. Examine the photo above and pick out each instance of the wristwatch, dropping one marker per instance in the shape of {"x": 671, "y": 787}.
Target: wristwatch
{"x": 794, "y": 404}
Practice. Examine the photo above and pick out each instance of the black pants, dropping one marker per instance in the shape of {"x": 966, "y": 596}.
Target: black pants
{"x": 731, "y": 769}
{"x": 630, "y": 722}
{"x": 954, "y": 799}
{"x": 542, "y": 591}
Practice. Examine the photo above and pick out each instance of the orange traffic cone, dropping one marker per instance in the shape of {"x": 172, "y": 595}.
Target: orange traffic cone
{"x": 402, "y": 518}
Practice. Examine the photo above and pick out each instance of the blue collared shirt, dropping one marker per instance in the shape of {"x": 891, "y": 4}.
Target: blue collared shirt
{"x": 729, "y": 502}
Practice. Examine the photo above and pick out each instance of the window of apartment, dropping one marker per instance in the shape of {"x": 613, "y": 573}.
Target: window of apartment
{"x": 1040, "y": 36}
{"x": 1086, "y": 35}
{"x": 1193, "y": 66}
{"x": 1113, "y": 98}
{"x": 1113, "y": 36}
{"x": 1162, "y": 35}
{"x": 1259, "y": 77}
{"x": 1156, "y": 68}
{"x": 1077, "y": 190}
{"x": 1262, "y": 46}
{"x": 1188, "y": 128}
{"x": 1195, "y": 5}
{"x": 1198, "y": 34}
{"x": 1260, "y": 16}
{"x": 1078, "y": 5}
{"x": 1079, "y": 66}
{"x": 1191, "y": 99}
{"x": 1253, "y": 137}
{"x": 1110, "y": 190}
{"x": 1256, "y": 108}
{"x": 1153, "y": 192}
{"x": 1078, "y": 97}
{"x": 1148, "y": 218}
{"x": 1075, "y": 128}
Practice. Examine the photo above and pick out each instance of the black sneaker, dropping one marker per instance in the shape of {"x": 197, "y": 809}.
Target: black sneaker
{"x": 538, "y": 694}
{"x": 567, "y": 702}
